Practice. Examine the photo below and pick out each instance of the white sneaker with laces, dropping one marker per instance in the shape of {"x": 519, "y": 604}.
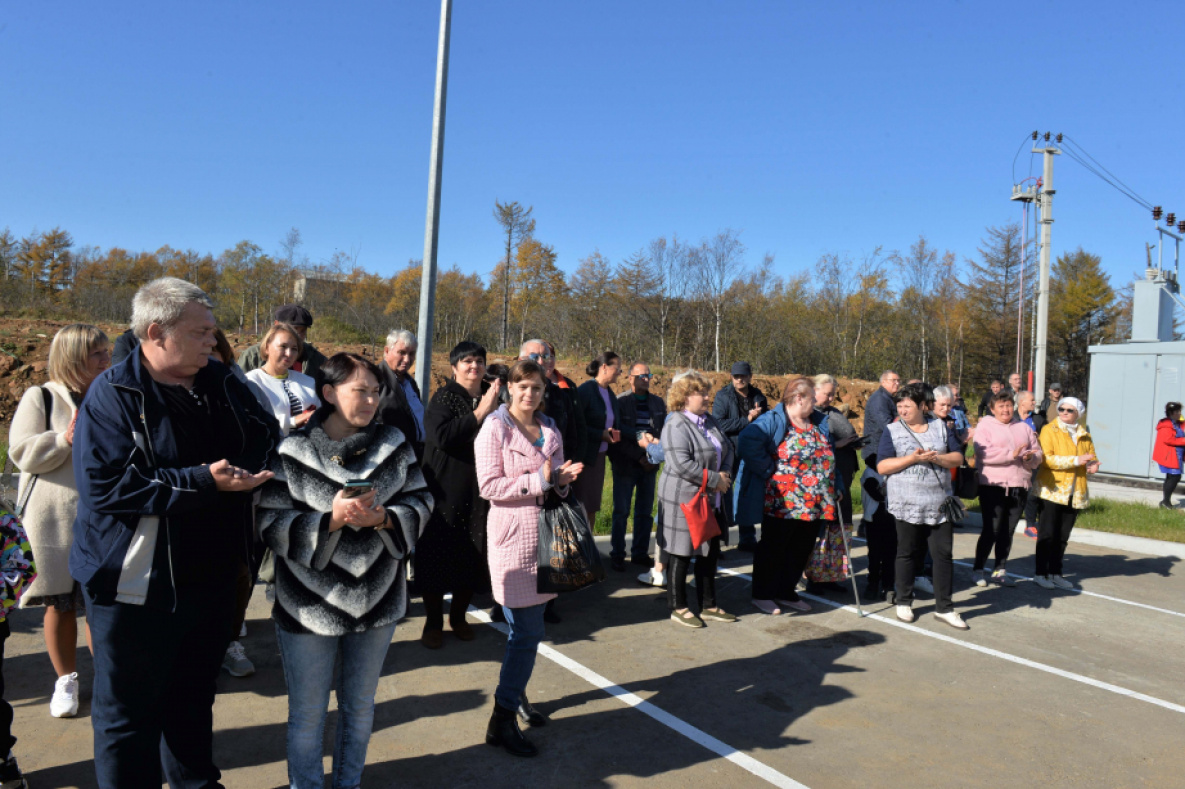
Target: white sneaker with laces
{"x": 1060, "y": 583}
{"x": 652, "y": 577}
{"x": 64, "y": 703}
{"x": 923, "y": 584}
{"x": 979, "y": 577}
{"x": 905, "y": 613}
{"x": 1043, "y": 581}
{"x": 235, "y": 661}
{"x": 953, "y": 619}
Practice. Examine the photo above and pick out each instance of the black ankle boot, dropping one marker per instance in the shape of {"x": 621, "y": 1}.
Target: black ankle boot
{"x": 503, "y": 730}
{"x": 529, "y": 715}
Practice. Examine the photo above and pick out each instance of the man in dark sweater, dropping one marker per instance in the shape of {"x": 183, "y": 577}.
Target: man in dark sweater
{"x": 635, "y": 462}
{"x": 734, "y": 408}
{"x": 167, "y": 449}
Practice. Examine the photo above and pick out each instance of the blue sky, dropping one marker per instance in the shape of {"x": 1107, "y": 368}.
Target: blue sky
{"x": 809, "y": 127}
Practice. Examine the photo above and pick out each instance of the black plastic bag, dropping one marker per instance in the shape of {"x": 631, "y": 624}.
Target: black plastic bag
{"x": 568, "y": 556}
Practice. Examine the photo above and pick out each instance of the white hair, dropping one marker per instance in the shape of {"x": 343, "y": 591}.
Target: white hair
{"x": 162, "y": 301}
{"x": 545, "y": 346}
{"x": 402, "y": 336}
{"x": 944, "y": 393}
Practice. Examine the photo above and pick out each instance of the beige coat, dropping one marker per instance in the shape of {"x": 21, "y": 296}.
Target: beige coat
{"x": 49, "y": 515}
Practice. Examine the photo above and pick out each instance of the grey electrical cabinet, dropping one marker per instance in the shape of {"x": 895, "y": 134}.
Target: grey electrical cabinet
{"x": 1129, "y": 386}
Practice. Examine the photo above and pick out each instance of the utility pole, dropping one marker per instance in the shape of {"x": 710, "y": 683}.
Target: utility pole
{"x": 1043, "y": 197}
{"x": 1045, "y": 202}
{"x": 432, "y": 229}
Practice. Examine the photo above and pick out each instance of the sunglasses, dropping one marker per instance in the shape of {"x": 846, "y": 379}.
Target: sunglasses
{"x": 1067, "y": 410}
{"x": 539, "y": 357}
{"x": 647, "y": 376}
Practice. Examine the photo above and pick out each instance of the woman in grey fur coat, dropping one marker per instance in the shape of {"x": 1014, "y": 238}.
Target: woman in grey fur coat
{"x": 340, "y": 580}
{"x": 693, "y": 444}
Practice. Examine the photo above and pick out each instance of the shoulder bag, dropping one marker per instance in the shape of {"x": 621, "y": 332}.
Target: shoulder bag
{"x": 8, "y": 489}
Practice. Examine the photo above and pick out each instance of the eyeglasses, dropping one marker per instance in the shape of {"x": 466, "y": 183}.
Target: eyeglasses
{"x": 539, "y": 357}
{"x": 647, "y": 376}
{"x": 1067, "y": 410}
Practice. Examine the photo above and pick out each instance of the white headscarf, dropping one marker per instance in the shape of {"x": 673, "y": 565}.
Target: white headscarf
{"x": 1075, "y": 429}
{"x": 1075, "y": 402}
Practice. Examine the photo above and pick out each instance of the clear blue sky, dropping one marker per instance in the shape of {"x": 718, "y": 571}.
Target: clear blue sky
{"x": 810, "y": 127}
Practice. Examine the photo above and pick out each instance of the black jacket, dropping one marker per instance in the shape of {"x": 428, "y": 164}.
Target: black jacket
{"x": 879, "y": 412}
{"x": 393, "y": 407}
{"x": 627, "y": 449}
{"x": 573, "y": 433}
{"x": 730, "y": 412}
{"x": 124, "y": 345}
{"x": 590, "y": 402}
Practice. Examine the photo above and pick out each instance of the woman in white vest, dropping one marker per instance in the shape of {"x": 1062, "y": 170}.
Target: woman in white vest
{"x": 291, "y": 396}
{"x": 41, "y": 445}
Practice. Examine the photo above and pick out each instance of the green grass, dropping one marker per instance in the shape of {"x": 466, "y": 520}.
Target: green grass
{"x": 1136, "y": 520}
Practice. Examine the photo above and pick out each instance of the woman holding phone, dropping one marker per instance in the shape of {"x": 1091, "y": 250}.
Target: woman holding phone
{"x": 520, "y": 458}
{"x": 289, "y": 395}
{"x": 344, "y": 510}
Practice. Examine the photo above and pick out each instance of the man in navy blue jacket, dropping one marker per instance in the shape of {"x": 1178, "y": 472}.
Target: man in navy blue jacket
{"x": 167, "y": 448}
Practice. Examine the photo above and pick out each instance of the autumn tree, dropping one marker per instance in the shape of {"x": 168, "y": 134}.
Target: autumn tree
{"x": 536, "y": 283}
{"x": 1082, "y": 311}
{"x": 994, "y": 290}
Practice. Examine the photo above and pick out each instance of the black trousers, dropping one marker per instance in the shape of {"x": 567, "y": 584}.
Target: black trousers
{"x": 941, "y": 540}
{"x": 782, "y": 554}
{"x": 1001, "y": 509}
{"x": 881, "y": 534}
{"x": 155, "y": 674}
{"x": 1033, "y": 502}
{"x": 1170, "y": 485}
{"x": 705, "y": 578}
{"x": 6, "y": 738}
{"x": 1053, "y": 532}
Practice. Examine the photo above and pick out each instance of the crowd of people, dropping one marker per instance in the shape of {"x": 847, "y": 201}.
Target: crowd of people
{"x": 157, "y": 491}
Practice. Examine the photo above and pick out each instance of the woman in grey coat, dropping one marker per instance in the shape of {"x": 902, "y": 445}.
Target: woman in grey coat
{"x": 692, "y": 442}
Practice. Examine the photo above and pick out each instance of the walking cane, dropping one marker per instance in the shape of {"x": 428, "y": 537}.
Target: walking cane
{"x": 847, "y": 550}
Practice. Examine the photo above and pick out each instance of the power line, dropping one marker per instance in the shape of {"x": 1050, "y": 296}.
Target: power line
{"x": 1118, "y": 185}
{"x": 1014, "y": 158}
{"x": 1085, "y": 153}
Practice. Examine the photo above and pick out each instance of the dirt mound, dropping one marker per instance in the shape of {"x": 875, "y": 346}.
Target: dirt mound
{"x": 24, "y": 356}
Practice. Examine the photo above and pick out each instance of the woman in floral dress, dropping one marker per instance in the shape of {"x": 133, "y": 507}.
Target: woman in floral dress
{"x": 790, "y": 449}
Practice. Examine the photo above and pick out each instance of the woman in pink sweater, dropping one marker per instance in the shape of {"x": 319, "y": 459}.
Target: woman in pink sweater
{"x": 1006, "y": 452}
{"x": 520, "y": 457}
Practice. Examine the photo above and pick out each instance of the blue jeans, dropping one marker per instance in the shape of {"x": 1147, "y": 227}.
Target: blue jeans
{"x": 308, "y": 672}
{"x": 628, "y": 477}
{"x": 526, "y": 631}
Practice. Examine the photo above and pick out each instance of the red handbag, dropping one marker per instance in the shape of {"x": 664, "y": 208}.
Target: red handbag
{"x": 701, "y": 520}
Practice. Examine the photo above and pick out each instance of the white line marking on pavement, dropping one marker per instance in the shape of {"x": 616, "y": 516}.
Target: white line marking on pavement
{"x": 1168, "y": 705}
{"x": 742, "y": 760}
{"x": 1075, "y": 591}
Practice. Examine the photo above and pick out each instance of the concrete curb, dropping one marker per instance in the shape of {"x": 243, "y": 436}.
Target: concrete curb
{"x": 1123, "y": 542}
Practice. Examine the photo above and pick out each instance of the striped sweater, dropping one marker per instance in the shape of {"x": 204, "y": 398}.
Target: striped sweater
{"x": 352, "y": 580}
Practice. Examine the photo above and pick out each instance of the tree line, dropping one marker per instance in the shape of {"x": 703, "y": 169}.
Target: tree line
{"x": 674, "y": 302}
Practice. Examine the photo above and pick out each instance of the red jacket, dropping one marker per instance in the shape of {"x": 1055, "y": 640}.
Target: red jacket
{"x": 1165, "y": 451}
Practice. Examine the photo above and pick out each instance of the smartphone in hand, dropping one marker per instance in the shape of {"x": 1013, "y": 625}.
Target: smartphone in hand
{"x": 356, "y": 487}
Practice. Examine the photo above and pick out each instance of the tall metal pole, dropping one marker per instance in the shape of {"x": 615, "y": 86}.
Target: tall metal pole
{"x": 1046, "y": 198}
{"x": 432, "y": 229}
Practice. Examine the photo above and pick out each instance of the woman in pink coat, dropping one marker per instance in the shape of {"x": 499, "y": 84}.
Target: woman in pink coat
{"x": 1006, "y": 452}
{"x": 520, "y": 457}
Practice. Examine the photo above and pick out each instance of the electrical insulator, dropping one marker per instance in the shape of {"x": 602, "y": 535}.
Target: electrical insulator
{"x": 1046, "y": 136}
{"x": 1059, "y": 139}
{"x": 1170, "y": 220}
{"x": 1035, "y": 136}
{"x": 1156, "y": 213}
{"x": 1181, "y": 226}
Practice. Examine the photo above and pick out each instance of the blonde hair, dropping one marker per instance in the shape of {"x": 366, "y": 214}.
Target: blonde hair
{"x": 286, "y": 328}
{"x": 682, "y": 385}
{"x": 822, "y": 379}
{"x": 68, "y": 354}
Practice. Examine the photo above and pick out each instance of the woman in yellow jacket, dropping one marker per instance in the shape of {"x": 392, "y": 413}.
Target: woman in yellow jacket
{"x": 1061, "y": 482}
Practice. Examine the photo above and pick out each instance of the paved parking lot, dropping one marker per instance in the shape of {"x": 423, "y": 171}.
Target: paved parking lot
{"x": 1046, "y": 689}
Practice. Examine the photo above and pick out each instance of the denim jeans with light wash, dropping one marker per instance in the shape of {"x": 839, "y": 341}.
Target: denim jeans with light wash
{"x": 308, "y": 672}
{"x": 629, "y": 476}
{"x": 526, "y": 631}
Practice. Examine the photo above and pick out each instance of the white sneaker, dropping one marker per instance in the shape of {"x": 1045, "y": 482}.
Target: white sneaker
{"x": 1021, "y": 525}
{"x": 923, "y": 584}
{"x": 235, "y": 661}
{"x": 1060, "y": 583}
{"x": 64, "y": 703}
{"x": 953, "y": 619}
{"x": 905, "y": 613}
{"x": 243, "y": 631}
{"x": 652, "y": 577}
{"x": 1003, "y": 578}
{"x": 1043, "y": 581}
{"x": 979, "y": 577}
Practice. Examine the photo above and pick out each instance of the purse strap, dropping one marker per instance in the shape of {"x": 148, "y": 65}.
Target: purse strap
{"x": 10, "y": 466}
{"x": 923, "y": 446}
{"x": 703, "y": 486}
